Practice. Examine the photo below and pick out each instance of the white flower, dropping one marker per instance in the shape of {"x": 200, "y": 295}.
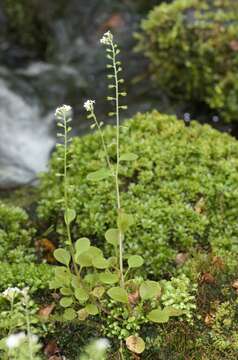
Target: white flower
{"x": 10, "y": 293}
{"x": 107, "y": 38}
{"x": 102, "y": 344}
{"x": 62, "y": 111}
{"x": 89, "y": 105}
{"x": 15, "y": 340}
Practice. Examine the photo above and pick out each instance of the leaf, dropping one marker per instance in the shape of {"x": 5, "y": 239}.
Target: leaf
{"x": 124, "y": 221}
{"x": 128, "y": 157}
{"x": 158, "y": 316}
{"x": 149, "y": 290}
{"x": 112, "y": 236}
{"x": 69, "y": 216}
{"x": 62, "y": 256}
{"x": 69, "y": 314}
{"x": 99, "y": 175}
{"x": 135, "y": 261}
{"x": 82, "y": 314}
{"x": 84, "y": 259}
{"x": 94, "y": 251}
{"x": 171, "y": 311}
{"x": 81, "y": 295}
{"x": 91, "y": 279}
{"x": 118, "y": 294}
{"x": 45, "y": 311}
{"x": 98, "y": 291}
{"x": 75, "y": 282}
{"x": 108, "y": 278}
{"x": 66, "y": 301}
{"x": 100, "y": 263}
{"x": 91, "y": 309}
{"x": 135, "y": 344}
{"x": 66, "y": 291}
{"x": 82, "y": 245}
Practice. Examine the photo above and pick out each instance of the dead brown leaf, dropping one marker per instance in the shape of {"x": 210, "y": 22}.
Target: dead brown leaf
{"x": 207, "y": 278}
{"x": 45, "y": 311}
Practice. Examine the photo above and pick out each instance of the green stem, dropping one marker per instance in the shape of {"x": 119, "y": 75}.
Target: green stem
{"x": 28, "y": 329}
{"x": 71, "y": 248}
{"x": 103, "y": 141}
{"x": 118, "y": 162}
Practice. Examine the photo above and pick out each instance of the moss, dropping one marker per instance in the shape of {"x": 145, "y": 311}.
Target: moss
{"x": 15, "y": 235}
{"x": 192, "y": 49}
{"x": 182, "y": 190}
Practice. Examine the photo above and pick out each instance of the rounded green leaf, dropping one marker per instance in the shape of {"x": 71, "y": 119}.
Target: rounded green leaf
{"x": 69, "y": 216}
{"x": 66, "y": 291}
{"x": 112, "y": 236}
{"x": 82, "y": 314}
{"x": 108, "y": 278}
{"x": 66, "y": 301}
{"x": 149, "y": 290}
{"x": 100, "y": 263}
{"x": 82, "y": 245}
{"x": 91, "y": 309}
{"x": 135, "y": 261}
{"x": 81, "y": 295}
{"x": 98, "y": 291}
{"x": 171, "y": 311}
{"x": 84, "y": 259}
{"x": 124, "y": 221}
{"x": 118, "y": 294}
{"x": 69, "y": 314}
{"x": 158, "y": 316}
{"x": 135, "y": 344}
{"x": 128, "y": 157}
{"x": 62, "y": 256}
{"x": 93, "y": 251}
{"x": 99, "y": 175}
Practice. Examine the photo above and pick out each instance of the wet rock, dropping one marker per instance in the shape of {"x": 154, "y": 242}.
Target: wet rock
{"x": 25, "y": 141}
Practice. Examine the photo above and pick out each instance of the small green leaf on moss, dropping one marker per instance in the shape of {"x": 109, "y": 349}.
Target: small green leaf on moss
{"x": 62, "y": 256}
{"x": 118, "y": 294}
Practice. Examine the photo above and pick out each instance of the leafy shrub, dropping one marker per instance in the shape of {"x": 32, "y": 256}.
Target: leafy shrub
{"x": 15, "y": 235}
{"x": 182, "y": 189}
{"x": 192, "y": 47}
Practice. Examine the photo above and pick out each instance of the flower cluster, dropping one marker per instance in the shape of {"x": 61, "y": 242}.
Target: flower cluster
{"x": 107, "y": 38}
{"x": 15, "y": 340}
{"x": 64, "y": 110}
{"x": 89, "y": 105}
{"x": 11, "y": 292}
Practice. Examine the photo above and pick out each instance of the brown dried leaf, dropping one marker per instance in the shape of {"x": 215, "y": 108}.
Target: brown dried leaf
{"x": 181, "y": 258}
{"x": 234, "y": 45}
{"x": 45, "y": 311}
{"x": 115, "y": 21}
{"x": 218, "y": 262}
{"x": 135, "y": 344}
{"x": 199, "y": 206}
{"x": 51, "y": 349}
{"x": 207, "y": 278}
{"x": 209, "y": 319}
{"x": 235, "y": 284}
{"x": 134, "y": 297}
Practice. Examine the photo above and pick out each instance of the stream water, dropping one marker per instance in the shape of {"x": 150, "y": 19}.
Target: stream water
{"x": 30, "y": 90}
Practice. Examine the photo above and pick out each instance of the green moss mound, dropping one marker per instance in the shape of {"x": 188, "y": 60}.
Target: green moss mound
{"x": 17, "y": 252}
{"x": 182, "y": 190}
{"x": 193, "y": 51}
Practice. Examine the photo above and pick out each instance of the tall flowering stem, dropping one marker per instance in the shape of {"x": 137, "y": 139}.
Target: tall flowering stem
{"x": 63, "y": 115}
{"x": 115, "y": 66}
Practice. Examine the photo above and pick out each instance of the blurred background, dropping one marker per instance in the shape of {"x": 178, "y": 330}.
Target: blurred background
{"x": 50, "y": 55}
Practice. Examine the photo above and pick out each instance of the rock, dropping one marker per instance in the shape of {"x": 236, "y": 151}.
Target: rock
{"x": 25, "y": 141}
